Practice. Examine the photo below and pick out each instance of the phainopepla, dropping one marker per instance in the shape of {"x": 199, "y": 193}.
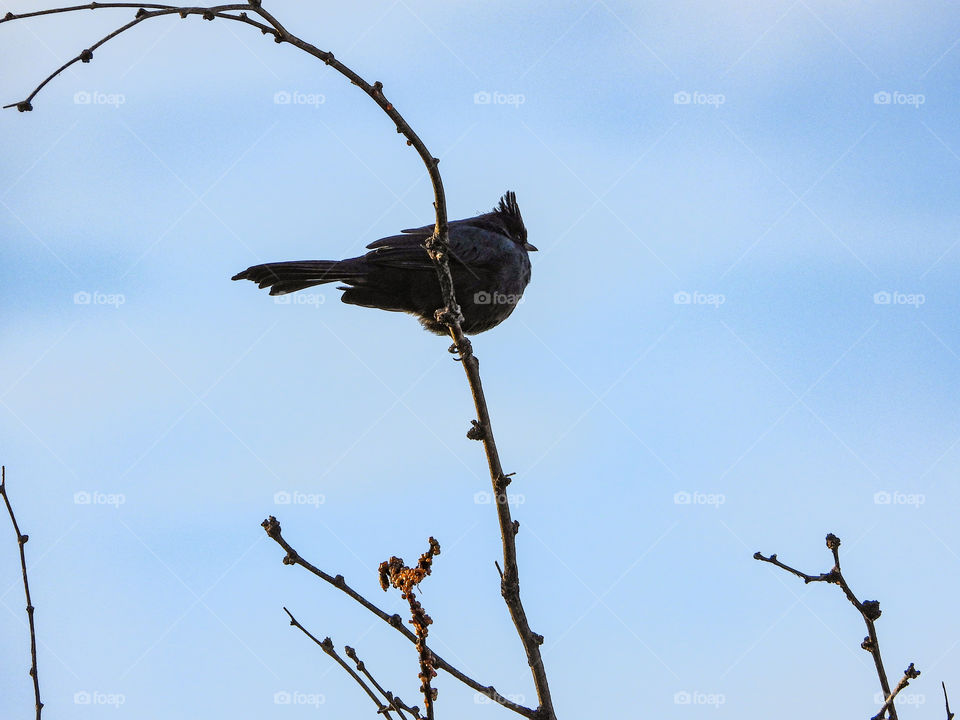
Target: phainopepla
{"x": 488, "y": 260}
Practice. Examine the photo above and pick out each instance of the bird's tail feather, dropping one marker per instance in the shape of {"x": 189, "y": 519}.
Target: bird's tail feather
{"x": 287, "y": 277}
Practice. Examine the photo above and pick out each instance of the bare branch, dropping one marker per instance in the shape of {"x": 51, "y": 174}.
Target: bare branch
{"x": 438, "y": 248}
{"x": 868, "y": 609}
{"x": 21, "y": 541}
{"x": 946, "y": 701}
{"x": 327, "y": 646}
{"x": 86, "y": 55}
{"x": 395, "y": 702}
{"x": 909, "y": 674}
{"x": 272, "y": 527}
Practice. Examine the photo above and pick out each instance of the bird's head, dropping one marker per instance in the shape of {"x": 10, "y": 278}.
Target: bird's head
{"x": 509, "y": 214}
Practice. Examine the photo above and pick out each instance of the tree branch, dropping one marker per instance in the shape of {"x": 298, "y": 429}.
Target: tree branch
{"x": 395, "y": 702}
{"x": 272, "y": 527}
{"x": 869, "y": 610}
{"x": 21, "y": 541}
{"x": 327, "y": 646}
{"x": 909, "y": 674}
{"x": 86, "y": 55}
{"x": 438, "y": 249}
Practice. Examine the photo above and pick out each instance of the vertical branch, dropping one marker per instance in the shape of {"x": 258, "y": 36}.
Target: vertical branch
{"x": 21, "y": 541}
{"x": 394, "y": 572}
{"x": 510, "y": 581}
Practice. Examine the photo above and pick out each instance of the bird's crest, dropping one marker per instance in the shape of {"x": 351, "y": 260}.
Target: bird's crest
{"x": 509, "y": 213}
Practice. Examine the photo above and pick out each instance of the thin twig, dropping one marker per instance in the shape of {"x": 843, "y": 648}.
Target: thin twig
{"x": 292, "y": 557}
{"x": 395, "y": 702}
{"x": 86, "y": 55}
{"x": 869, "y": 610}
{"x": 21, "y": 541}
{"x": 909, "y": 674}
{"x": 946, "y": 701}
{"x": 327, "y": 646}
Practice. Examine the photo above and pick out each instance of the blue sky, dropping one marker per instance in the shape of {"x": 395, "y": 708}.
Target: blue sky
{"x": 803, "y": 201}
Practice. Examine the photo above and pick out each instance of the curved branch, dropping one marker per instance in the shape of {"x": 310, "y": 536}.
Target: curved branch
{"x": 86, "y": 55}
{"x": 21, "y": 541}
{"x": 437, "y": 247}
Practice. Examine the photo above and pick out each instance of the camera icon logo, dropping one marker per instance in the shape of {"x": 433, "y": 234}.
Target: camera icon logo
{"x": 882, "y": 498}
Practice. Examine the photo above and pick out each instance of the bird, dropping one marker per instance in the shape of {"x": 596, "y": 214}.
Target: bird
{"x": 488, "y": 261}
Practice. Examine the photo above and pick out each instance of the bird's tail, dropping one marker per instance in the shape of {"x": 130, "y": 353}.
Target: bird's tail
{"x": 287, "y": 277}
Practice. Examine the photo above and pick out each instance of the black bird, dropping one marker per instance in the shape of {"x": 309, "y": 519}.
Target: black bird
{"x": 488, "y": 260}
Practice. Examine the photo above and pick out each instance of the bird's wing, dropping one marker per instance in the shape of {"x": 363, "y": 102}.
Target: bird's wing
{"x": 413, "y": 237}
{"x": 407, "y": 250}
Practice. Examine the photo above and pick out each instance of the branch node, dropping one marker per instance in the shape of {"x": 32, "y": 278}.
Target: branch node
{"x": 86, "y": 56}
{"x": 141, "y": 12}
{"x": 871, "y": 609}
{"x": 476, "y": 431}
{"x": 24, "y": 106}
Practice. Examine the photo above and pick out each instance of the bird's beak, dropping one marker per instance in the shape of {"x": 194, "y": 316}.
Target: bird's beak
{"x": 529, "y": 248}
